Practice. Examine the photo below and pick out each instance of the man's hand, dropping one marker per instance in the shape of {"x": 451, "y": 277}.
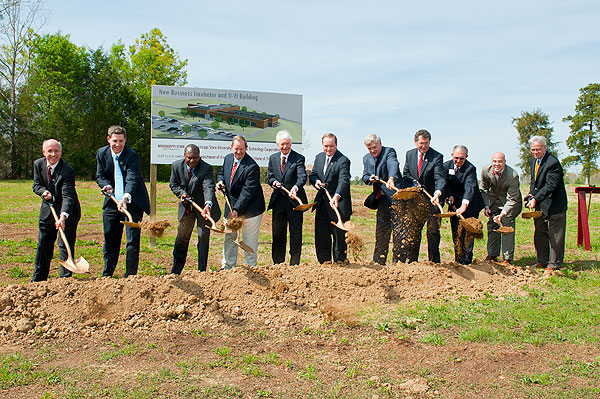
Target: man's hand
{"x": 373, "y": 178}
{"x": 391, "y": 183}
{"x": 276, "y": 184}
{"x": 234, "y": 214}
{"x": 183, "y": 197}
{"x": 334, "y": 201}
{"x": 488, "y": 213}
{"x": 107, "y": 189}
{"x": 206, "y": 211}
{"x": 450, "y": 200}
{"x": 436, "y": 198}
{"x": 220, "y": 185}
{"x": 122, "y": 204}
{"x": 61, "y": 222}
{"x": 498, "y": 218}
{"x": 294, "y": 191}
{"x": 532, "y": 203}
{"x": 47, "y": 196}
{"x": 319, "y": 185}
{"x": 462, "y": 209}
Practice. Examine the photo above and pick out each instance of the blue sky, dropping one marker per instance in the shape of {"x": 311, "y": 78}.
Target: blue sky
{"x": 461, "y": 70}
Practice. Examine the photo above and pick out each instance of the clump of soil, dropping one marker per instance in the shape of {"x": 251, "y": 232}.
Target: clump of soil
{"x": 473, "y": 226}
{"x": 271, "y": 296}
{"x": 157, "y": 229}
{"x": 406, "y": 193}
{"x": 504, "y": 230}
{"x": 234, "y": 224}
{"x": 355, "y": 245}
{"x": 408, "y": 218}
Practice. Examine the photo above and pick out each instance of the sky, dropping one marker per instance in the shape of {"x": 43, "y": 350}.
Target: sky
{"x": 462, "y": 70}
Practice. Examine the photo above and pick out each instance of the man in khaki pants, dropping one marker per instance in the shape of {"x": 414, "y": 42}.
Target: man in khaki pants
{"x": 502, "y": 196}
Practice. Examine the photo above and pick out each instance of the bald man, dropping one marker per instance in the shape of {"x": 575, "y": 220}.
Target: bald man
{"x": 54, "y": 181}
{"x": 502, "y": 197}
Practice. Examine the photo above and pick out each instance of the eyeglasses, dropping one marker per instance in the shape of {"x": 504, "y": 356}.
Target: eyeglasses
{"x": 459, "y": 158}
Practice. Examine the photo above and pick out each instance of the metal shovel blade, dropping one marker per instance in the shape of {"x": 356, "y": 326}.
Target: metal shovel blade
{"x": 131, "y": 224}
{"x": 346, "y": 226}
{"x": 531, "y": 215}
{"x": 304, "y": 207}
{"x": 404, "y": 194}
{"x": 80, "y": 265}
{"x": 505, "y": 230}
{"x": 469, "y": 227}
{"x": 445, "y": 214}
{"x": 244, "y": 246}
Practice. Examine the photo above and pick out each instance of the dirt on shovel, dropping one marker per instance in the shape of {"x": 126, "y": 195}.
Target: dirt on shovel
{"x": 156, "y": 229}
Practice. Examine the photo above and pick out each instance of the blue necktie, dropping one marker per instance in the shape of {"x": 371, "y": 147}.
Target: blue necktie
{"x": 118, "y": 180}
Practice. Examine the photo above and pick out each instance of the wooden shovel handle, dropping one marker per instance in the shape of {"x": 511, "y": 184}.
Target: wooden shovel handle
{"x": 337, "y": 212}
{"x": 125, "y": 211}
{"x": 285, "y": 190}
{"x": 437, "y": 203}
{"x": 378, "y": 180}
{"x": 62, "y": 235}
{"x": 207, "y": 217}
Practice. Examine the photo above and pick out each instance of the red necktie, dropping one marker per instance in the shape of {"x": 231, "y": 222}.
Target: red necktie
{"x": 494, "y": 173}
{"x": 282, "y": 164}
{"x": 49, "y": 174}
{"x": 189, "y": 173}
{"x": 420, "y": 164}
{"x": 232, "y": 172}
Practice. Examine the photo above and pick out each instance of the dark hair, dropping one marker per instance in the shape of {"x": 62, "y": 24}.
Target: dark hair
{"x": 192, "y": 147}
{"x": 115, "y": 129}
{"x": 422, "y": 133}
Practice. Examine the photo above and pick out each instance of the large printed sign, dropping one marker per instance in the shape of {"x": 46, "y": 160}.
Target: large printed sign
{"x": 210, "y": 118}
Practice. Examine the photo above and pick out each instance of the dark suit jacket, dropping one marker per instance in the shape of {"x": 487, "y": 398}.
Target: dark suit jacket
{"x": 130, "y": 168}
{"x": 386, "y": 167}
{"x": 548, "y": 188}
{"x": 62, "y": 188}
{"x": 294, "y": 174}
{"x": 337, "y": 178}
{"x": 463, "y": 185}
{"x": 432, "y": 176}
{"x": 201, "y": 187}
{"x": 245, "y": 192}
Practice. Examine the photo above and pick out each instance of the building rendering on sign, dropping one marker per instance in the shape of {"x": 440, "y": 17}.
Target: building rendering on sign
{"x": 227, "y": 111}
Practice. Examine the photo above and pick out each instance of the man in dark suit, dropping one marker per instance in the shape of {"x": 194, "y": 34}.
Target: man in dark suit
{"x": 240, "y": 177}
{"x": 462, "y": 191}
{"x": 547, "y": 194}
{"x": 502, "y": 196}
{"x": 118, "y": 173}
{"x": 331, "y": 172}
{"x": 54, "y": 181}
{"x": 192, "y": 178}
{"x": 423, "y": 167}
{"x": 381, "y": 163}
{"x": 286, "y": 168}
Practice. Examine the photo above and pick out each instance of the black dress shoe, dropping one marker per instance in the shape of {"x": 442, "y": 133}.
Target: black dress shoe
{"x": 491, "y": 259}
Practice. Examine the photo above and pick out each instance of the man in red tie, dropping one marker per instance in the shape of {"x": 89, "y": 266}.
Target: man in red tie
{"x": 286, "y": 170}
{"x": 54, "y": 181}
{"x": 423, "y": 167}
{"x": 502, "y": 196}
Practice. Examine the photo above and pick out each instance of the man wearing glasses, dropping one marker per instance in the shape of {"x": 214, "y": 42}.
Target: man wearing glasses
{"x": 463, "y": 192}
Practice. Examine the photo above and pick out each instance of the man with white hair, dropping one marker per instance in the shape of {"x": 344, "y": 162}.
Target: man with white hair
{"x": 502, "y": 196}
{"x": 547, "y": 194}
{"x": 381, "y": 165}
{"x": 286, "y": 170}
{"x": 54, "y": 181}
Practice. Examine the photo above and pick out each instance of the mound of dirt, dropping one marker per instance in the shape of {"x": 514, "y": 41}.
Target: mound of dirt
{"x": 157, "y": 229}
{"x": 276, "y": 297}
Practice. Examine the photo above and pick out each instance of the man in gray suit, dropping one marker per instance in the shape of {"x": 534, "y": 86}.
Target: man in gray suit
{"x": 381, "y": 164}
{"x": 502, "y": 196}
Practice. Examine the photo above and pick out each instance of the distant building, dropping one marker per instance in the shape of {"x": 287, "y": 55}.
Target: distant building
{"x": 233, "y": 112}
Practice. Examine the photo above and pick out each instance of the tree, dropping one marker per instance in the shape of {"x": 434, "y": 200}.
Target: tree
{"x": 531, "y": 124}
{"x": 186, "y": 129}
{"x": 243, "y": 123}
{"x": 184, "y": 112}
{"x": 585, "y": 131}
{"x": 215, "y": 125}
{"x": 20, "y": 20}
{"x": 161, "y": 113}
{"x": 230, "y": 120}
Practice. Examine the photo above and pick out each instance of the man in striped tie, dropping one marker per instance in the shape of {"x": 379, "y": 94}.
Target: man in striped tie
{"x": 547, "y": 193}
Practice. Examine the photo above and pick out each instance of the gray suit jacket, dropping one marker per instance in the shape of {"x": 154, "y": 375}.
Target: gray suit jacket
{"x": 501, "y": 194}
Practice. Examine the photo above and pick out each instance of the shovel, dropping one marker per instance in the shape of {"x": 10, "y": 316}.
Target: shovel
{"x": 442, "y": 214}
{"x": 79, "y": 265}
{"x": 213, "y": 225}
{"x": 237, "y": 240}
{"x": 128, "y": 222}
{"x": 401, "y": 193}
{"x": 302, "y": 207}
{"x": 504, "y": 229}
{"x": 468, "y": 226}
{"x": 531, "y": 214}
{"x": 346, "y": 226}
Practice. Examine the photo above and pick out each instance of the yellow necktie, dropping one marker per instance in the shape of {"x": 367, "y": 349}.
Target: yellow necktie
{"x": 537, "y": 167}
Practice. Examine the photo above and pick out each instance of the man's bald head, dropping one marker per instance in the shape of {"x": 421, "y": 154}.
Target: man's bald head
{"x": 498, "y": 161}
{"x": 52, "y": 150}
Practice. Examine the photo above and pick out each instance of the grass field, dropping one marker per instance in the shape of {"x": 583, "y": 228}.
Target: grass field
{"x": 543, "y": 343}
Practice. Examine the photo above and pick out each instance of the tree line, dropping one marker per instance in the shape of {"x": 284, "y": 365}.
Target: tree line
{"x": 51, "y": 87}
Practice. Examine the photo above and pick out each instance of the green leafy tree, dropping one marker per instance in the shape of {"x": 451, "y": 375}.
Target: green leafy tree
{"x": 243, "y": 123}
{"x": 202, "y": 133}
{"x": 215, "y": 125}
{"x": 184, "y": 112}
{"x": 186, "y": 129}
{"x": 230, "y": 121}
{"x": 531, "y": 124}
{"x": 585, "y": 131}
{"x": 219, "y": 118}
{"x": 161, "y": 113}
{"x": 244, "y": 108}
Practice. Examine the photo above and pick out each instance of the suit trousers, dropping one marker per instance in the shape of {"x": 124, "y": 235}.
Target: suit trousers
{"x": 497, "y": 241}
{"x": 549, "y": 239}
{"x": 280, "y": 221}
{"x": 463, "y": 243}
{"x": 386, "y": 225}
{"x": 113, "y": 232}
{"x": 433, "y": 238}
{"x": 326, "y": 234}
{"x": 47, "y": 235}
{"x": 182, "y": 241}
{"x": 249, "y": 234}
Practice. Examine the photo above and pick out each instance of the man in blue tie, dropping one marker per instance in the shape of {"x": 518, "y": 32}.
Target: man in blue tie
{"x": 118, "y": 173}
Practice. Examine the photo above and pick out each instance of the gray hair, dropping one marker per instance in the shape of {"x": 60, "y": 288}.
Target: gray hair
{"x": 283, "y": 135}
{"x": 45, "y": 141}
{"x": 460, "y": 148}
{"x": 372, "y": 138}
{"x": 538, "y": 139}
